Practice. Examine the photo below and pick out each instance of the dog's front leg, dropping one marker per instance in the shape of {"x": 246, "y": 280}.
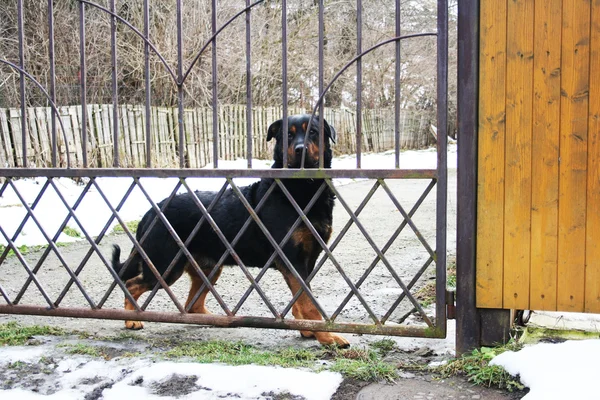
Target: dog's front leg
{"x": 305, "y": 309}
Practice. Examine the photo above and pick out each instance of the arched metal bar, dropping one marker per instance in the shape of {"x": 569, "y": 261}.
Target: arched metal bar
{"x": 137, "y": 32}
{"x": 52, "y": 105}
{"x": 209, "y": 41}
{"x": 348, "y": 65}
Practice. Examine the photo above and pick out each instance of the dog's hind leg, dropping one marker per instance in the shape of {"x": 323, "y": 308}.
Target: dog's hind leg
{"x": 305, "y": 309}
{"x": 136, "y": 286}
{"x": 199, "y": 307}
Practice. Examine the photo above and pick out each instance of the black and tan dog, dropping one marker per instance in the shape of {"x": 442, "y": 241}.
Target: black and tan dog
{"x": 229, "y": 213}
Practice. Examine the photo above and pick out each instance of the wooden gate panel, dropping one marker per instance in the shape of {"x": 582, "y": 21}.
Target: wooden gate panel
{"x": 538, "y": 206}
{"x": 592, "y": 272}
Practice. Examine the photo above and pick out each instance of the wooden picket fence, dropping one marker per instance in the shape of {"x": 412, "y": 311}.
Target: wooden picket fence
{"x": 377, "y": 134}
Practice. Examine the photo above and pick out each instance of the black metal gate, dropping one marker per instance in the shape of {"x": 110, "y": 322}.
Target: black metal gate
{"x": 42, "y": 300}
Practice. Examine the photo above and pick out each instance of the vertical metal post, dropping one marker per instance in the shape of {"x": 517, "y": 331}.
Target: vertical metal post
{"x": 180, "y": 85}
{"x": 52, "y": 86}
{"x": 321, "y": 83}
{"x": 442, "y": 161}
{"x": 358, "y": 83}
{"x": 148, "y": 86}
{"x": 468, "y": 324}
{"x": 115, "y": 90}
{"x": 397, "y": 89}
{"x": 22, "y": 82}
{"x": 248, "y": 88}
{"x": 284, "y": 55}
{"x": 215, "y": 111}
{"x": 83, "y": 83}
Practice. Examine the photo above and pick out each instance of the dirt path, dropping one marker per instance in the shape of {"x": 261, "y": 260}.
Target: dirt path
{"x": 380, "y": 218}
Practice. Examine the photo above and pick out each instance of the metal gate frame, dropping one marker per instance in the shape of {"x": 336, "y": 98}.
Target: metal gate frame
{"x": 437, "y": 177}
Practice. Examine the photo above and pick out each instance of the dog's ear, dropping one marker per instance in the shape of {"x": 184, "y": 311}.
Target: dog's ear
{"x": 329, "y": 131}
{"x": 274, "y": 129}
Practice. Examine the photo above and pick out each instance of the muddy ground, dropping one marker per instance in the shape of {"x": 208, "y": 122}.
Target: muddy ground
{"x": 380, "y": 218}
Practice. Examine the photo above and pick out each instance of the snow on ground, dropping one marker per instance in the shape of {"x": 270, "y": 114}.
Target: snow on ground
{"x": 556, "y": 371}
{"x": 93, "y": 212}
{"x": 117, "y": 379}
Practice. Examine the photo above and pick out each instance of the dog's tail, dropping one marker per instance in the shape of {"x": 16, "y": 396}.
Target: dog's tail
{"x": 132, "y": 269}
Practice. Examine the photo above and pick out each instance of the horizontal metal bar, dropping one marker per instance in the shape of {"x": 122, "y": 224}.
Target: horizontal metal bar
{"x": 223, "y": 321}
{"x": 220, "y": 173}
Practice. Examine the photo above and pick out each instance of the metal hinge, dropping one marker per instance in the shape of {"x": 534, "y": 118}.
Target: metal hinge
{"x": 450, "y": 304}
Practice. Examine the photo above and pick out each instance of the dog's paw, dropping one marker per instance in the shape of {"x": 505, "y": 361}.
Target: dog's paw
{"x": 307, "y": 334}
{"x": 135, "y": 325}
{"x": 332, "y": 339}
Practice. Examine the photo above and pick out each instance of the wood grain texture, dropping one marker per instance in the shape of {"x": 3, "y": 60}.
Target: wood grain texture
{"x": 491, "y": 136}
{"x": 592, "y": 268}
{"x": 517, "y": 163}
{"x": 544, "y": 162}
{"x": 573, "y": 154}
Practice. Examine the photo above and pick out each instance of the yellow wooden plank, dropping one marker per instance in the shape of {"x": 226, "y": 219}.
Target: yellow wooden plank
{"x": 490, "y": 185}
{"x": 592, "y": 270}
{"x": 517, "y": 162}
{"x": 544, "y": 158}
{"x": 573, "y": 154}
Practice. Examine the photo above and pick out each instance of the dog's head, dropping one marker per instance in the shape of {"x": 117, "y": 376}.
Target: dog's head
{"x": 301, "y": 138}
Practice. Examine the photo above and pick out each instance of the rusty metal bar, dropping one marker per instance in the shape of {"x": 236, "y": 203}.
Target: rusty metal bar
{"x": 41, "y": 260}
{"x": 378, "y": 252}
{"x": 231, "y": 251}
{"x": 51, "y": 244}
{"x": 224, "y": 321}
{"x": 24, "y": 221}
{"x": 279, "y": 251}
{"x": 147, "y": 84}
{"x": 248, "y": 85}
{"x": 321, "y": 85}
{"x": 385, "y": 248}
{"x": 215, "y": 105}
{"x": 334, "y": 244}
{"x": 397, "y": 91}
{"x": 22, "y": 83}
{"x": 179, "y": 242}
{"x": 408, "y": 219}
{"x": 52, "y": 77}
{"x": 180, "y": 252}
{"x": 221, "y": 173}
{"x": 410, "y": 285}
{"x": 139, "y": 248}
{"x": 328, "y": 252}
{"x": 115, "y": 89}
{"x": 237, "y": 237}
{"x": 442, "y": 159}
{"x": 284, "y": 85}
{"x": 83, "y": 230}
{"x": 15, "y": 249}
{"x": 5, "y": 295}
{"x": 83, "y": 84}
{"x": 358, "y": 83}
{"x": 114, "y": 274}
{"x": 285, "y": 239}
{"x": 180, "y": 85}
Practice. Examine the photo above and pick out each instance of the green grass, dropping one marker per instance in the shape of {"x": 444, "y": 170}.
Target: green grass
{"x": 82, "y": 349}
{"x": 25, "y": 249}
{"x": 384, "y": 346}
{"x": 71, "y": 232}
{"x": 14, "y": 334}
{"x": 476, "y": 368}
{"x": 131, "y": 225}
{"x": 361, "y": 364}
{"x": 451, "y": 274}
{"x": 426, "y": 294}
